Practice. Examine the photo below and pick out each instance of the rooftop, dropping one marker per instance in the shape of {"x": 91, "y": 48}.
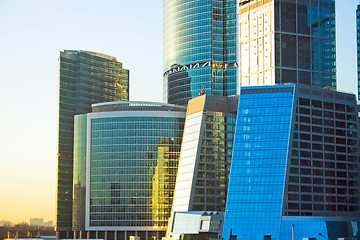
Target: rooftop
{"x": 136, "y": 106}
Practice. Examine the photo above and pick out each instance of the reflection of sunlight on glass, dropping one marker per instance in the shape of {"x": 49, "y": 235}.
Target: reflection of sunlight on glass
{"x": 355, "y": 228}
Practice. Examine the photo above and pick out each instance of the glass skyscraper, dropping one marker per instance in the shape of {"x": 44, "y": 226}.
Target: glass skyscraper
{"x": 295, "y": 166}
{"x": 291, "y": 41}
{"x": 85, "y": 78}
{"x": 125, "y": 166}
{"x": 199, "y": 49}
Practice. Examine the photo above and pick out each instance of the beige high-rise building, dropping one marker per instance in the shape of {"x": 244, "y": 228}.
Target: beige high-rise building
{"x": 257, "y": 62}
{"x": 205, "y": 159}
{"x": 205, "y": 155}
{"x": 287, "y": 41}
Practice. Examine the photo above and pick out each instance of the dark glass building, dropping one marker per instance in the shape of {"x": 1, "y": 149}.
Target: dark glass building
{"x": 287, "y": 41}
{"x": 125, "y": 165}
{"x": 295, "y": 166}
{"x": 199, "y": 49}
{"x": 85, "y": 78}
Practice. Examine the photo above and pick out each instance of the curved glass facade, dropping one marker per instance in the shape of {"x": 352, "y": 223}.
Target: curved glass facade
{"x": 126, "y": 154}
{"x": 199, "y": 49}
{"x": 132, "y": 153}
{"x": 79, "y": 181}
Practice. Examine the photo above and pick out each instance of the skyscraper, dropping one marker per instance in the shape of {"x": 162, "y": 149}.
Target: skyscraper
{"x": 85, "y": 78}
{"x": 205, "y": 158}
{"x": 206, "y": 150}
{"x": 288, "y": 41}
{"x": 295, "y": 166}
{"x": 125, "y": 165}
{"x": 199, "y": 49}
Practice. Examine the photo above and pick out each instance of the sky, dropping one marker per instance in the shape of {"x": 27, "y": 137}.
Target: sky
{"x": 32, "y": 33}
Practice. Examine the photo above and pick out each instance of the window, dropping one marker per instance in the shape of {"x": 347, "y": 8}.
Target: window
{"x": 328, "y": 105}
{"x": 316, "y": 103}
{"x": 304, "y": 101}
{"x": 205, "y": 224}
{"x": 330, "y": 165}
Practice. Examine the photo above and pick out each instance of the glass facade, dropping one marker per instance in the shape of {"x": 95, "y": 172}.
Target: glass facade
{"x": 163, "y": 182}
{"x": 289, "y": 41}
{"x": 79, "y": 180}
{"x": 131, "y": 164}
{"x": 199, "y": 49}
{"x": 295, "y": 167}
{"x": 124, "y": 162}
{"x": 257, "y": 178}
{"x": 85, "y": 78}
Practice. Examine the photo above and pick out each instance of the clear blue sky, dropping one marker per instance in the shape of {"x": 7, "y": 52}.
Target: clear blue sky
{"x": 31, "y": 35}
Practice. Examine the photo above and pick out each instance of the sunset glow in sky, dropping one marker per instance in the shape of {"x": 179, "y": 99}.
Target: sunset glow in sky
{"x": 32, "y": 35}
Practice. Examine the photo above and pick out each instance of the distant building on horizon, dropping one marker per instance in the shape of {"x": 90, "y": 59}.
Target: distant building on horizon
{"x": 125, "y": 164}
{"x": 199, "y": 49}
{"x": 295, "y": 165}
{"x": 287, "y": 42}
{"x": 6, "y": 223}
{"x": 40, "y": 222}
{"x": 85, "y": 78}
{"x": 36, "y": 221}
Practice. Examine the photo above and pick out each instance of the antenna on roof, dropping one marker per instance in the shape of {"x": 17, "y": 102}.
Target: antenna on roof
{"x": 202, "y": 91}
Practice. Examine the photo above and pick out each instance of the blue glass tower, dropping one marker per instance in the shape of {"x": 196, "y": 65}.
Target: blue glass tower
{"x": 199, "y": 49}
{"x": 295, "y": 166}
